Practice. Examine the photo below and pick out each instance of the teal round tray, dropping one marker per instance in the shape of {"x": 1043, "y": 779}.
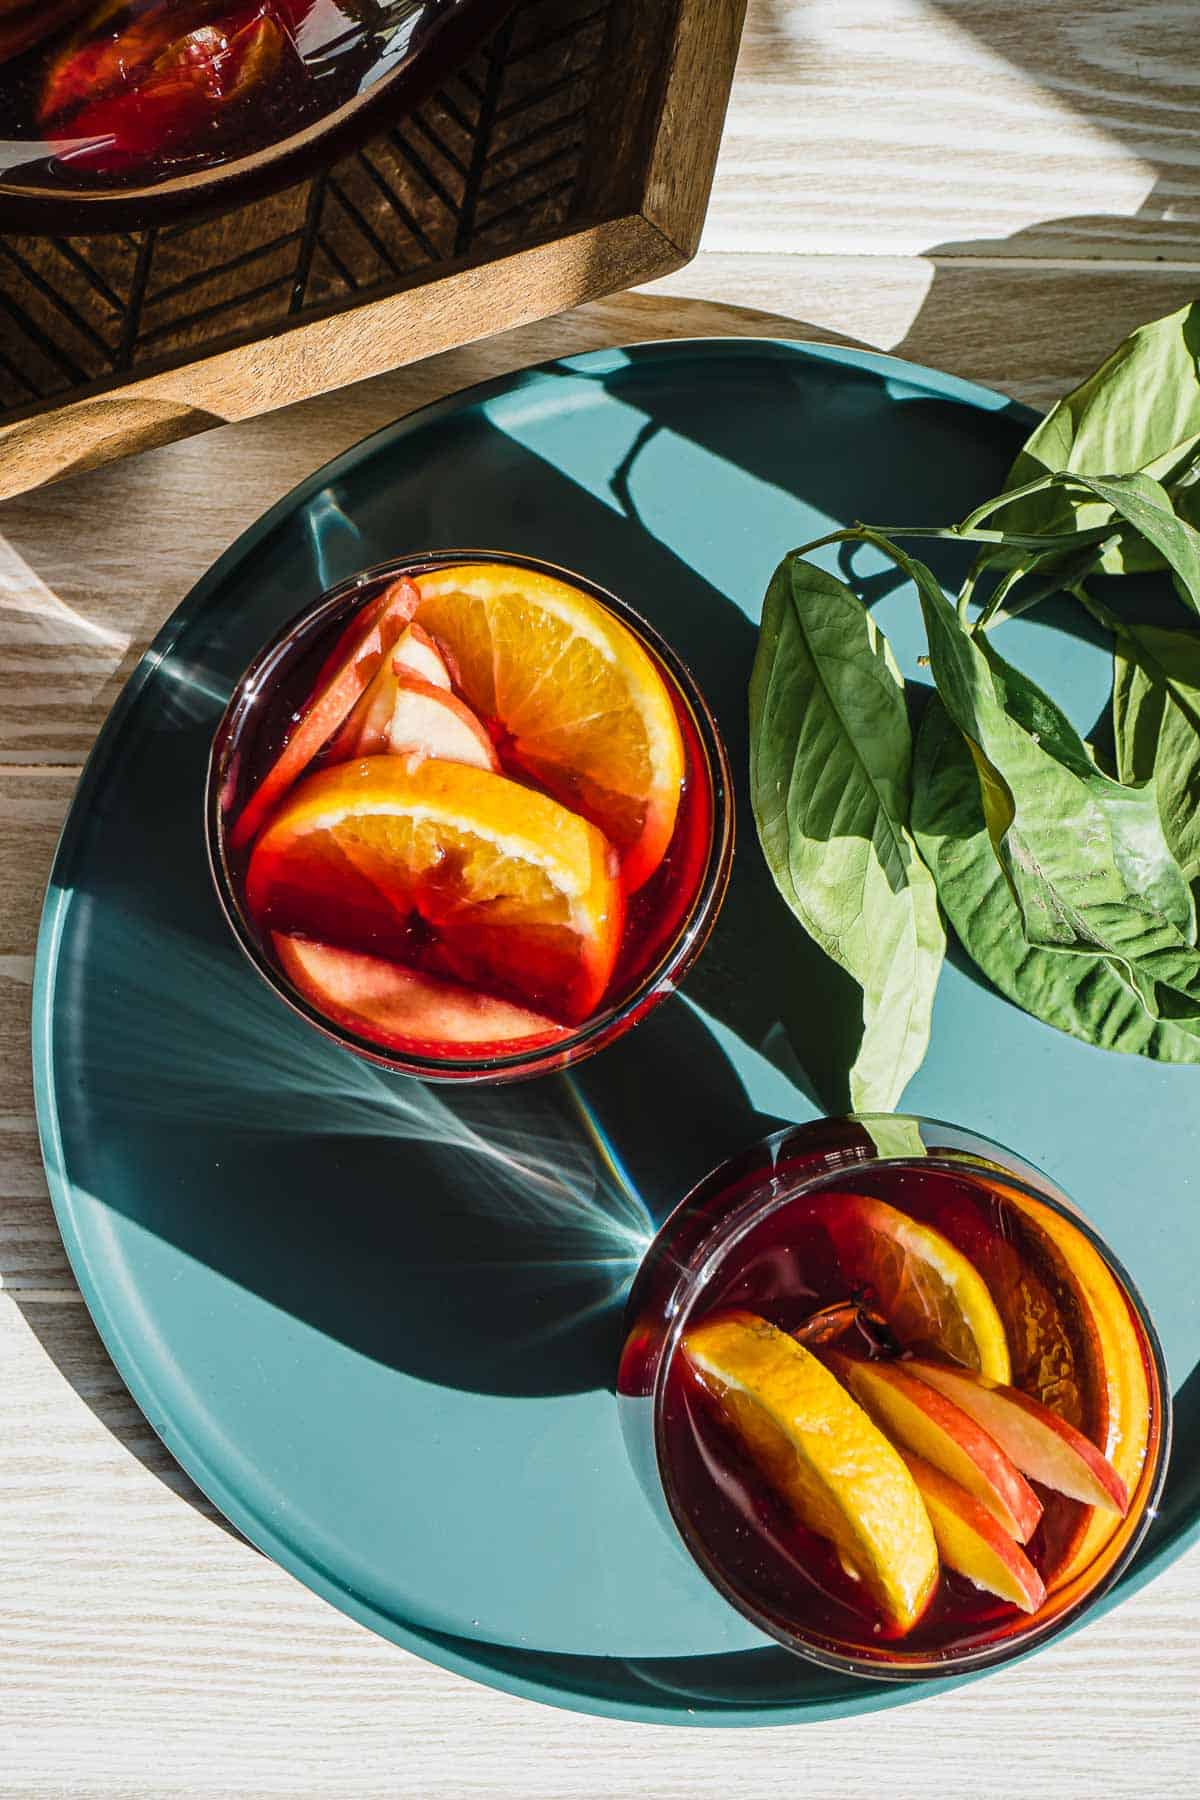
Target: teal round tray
{"x": 378, "y": 1322}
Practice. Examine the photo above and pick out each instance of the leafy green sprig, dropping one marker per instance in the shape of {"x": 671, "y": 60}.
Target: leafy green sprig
{"x": 1073, "y": 889}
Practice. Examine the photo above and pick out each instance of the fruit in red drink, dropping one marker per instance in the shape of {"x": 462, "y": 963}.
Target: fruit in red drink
{"x": 918, "y": 1418}
{"x": 402, "y": 1009}
{"x": 343, "y": 679}
{"x": 427, "y": 721}
{"x": 971, "y": 1541}
{"x": 1043, "y": 1446}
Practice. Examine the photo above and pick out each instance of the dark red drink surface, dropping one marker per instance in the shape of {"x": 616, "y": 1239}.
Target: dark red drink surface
{"x": 655, "y": 914}
{"x": 785, "y": 1269}
{"x": 130, "y": 92}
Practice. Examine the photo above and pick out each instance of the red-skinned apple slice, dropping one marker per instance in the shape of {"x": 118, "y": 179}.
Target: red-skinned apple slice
{"x": 404, "y": 590}
{"x": 427, "y": 721}
{"x": 918, "y": 1418}
{"x": 971, "y": 1541}
{"x": 365, "y": 641}
{"x": 401, "y": 1009}
{"x": 1042, "y": 1445}
{"x": 365, "y": 731}
{"x": 416, "y": 655}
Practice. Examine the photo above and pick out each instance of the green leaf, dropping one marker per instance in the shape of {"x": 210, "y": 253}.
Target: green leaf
{"x": 1146, "y": 505}
{"x": 1156, "y": 724}
{"x": 1139, "y": 411}
{"x": 1143, "y": 855}
{"x": 1079, "y": 993}
{"x": 1052, "y": 833}
{"x": 894, "y": 1135}
{"x": 830, "y": 766}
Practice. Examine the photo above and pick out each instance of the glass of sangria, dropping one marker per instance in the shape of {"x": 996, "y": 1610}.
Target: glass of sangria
{"x": 469, "y": 816}
{"x": 116, "y": 112}
{"x": 901, "y": 1404}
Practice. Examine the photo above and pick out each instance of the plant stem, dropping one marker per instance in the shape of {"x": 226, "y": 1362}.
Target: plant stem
{"x": 1062, "y": 581}
{"x": 994, "y": 505}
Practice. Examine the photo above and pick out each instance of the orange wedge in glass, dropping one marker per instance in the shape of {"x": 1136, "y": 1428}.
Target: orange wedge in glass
{"x": 453, "y": 869}
{"x": 818, "y": 1449}
{"x": 573, "y": 699}
{"x": 1126, "y": 1433}
{"x": 931, "y": 1295}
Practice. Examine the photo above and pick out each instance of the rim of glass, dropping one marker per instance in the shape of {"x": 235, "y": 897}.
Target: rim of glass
{"x": 691, "y": 933}
{"x": 694, "y": 1274}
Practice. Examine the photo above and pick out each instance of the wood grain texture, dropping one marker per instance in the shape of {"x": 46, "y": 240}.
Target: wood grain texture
{"x": 253, "y": 378}
{"x": 145, "y": 1649}
{"x": 1050, "y": 128}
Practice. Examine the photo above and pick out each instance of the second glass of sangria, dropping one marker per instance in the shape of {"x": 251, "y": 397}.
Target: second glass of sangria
{"x": 899, "y": 1401}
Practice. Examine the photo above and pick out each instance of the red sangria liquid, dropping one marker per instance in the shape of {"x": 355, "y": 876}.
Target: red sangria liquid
{"x": 470, "y": 816}
{"x": 865, "y": 1304}
{"x": 130, "y": 91}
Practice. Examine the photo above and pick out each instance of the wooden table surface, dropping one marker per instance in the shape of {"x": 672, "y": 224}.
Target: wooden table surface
{"x": 999, "y": 190}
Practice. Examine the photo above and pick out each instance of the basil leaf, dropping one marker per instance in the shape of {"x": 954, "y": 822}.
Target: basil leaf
{"x": 894, "y": 1135}
{"x": 1081, "y": 993}
{"x": 1141, "y": 849}
{"x": 830, "y": 767}
{"x": 1052, "y": 834}
{"x": 1139, "y": 411}
{"x": 1156, "y": 725}
{"x": 1145, "y": 504}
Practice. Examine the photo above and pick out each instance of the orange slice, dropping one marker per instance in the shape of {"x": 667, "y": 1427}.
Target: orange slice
{"x": 926, "y": 1289}
{"x": 579, "y": 704}
{"x": 463, "y": 871}
{"x": 1123, "y": 1371}
{"x": 819, "y": 1450}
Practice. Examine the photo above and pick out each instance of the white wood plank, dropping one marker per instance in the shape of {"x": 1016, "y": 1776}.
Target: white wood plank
{"x": 894, "y": 126}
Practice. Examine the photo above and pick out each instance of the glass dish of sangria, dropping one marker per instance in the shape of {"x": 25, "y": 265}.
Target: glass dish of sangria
{"x": 897, "y": 1398}
{"x": 470, "y": 816}
{"x": 128, "y": 103}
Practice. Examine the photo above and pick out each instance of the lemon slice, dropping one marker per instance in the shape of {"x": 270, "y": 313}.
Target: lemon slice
{"x": 818, "y": 1449}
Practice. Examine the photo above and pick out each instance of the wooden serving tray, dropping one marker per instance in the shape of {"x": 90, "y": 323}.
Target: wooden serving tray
{"x": 572, "y": 157}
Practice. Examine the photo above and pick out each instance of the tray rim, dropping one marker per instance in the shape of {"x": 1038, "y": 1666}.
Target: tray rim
{"x": 434, "y": 1647}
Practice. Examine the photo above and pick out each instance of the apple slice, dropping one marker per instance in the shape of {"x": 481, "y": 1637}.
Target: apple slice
{"x": 345, "y": 674}
{"x": 917, "y": 1417}
{"x": 417, "y": 654}
{"x": 1042, "y": 1445}
{"x": 345, "y": 643}
{"x": 971, "y": 1542}
{"x": 365, "y": 731}
{"x": 398, "y": 1008}
{"x": 427, "y": 721}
